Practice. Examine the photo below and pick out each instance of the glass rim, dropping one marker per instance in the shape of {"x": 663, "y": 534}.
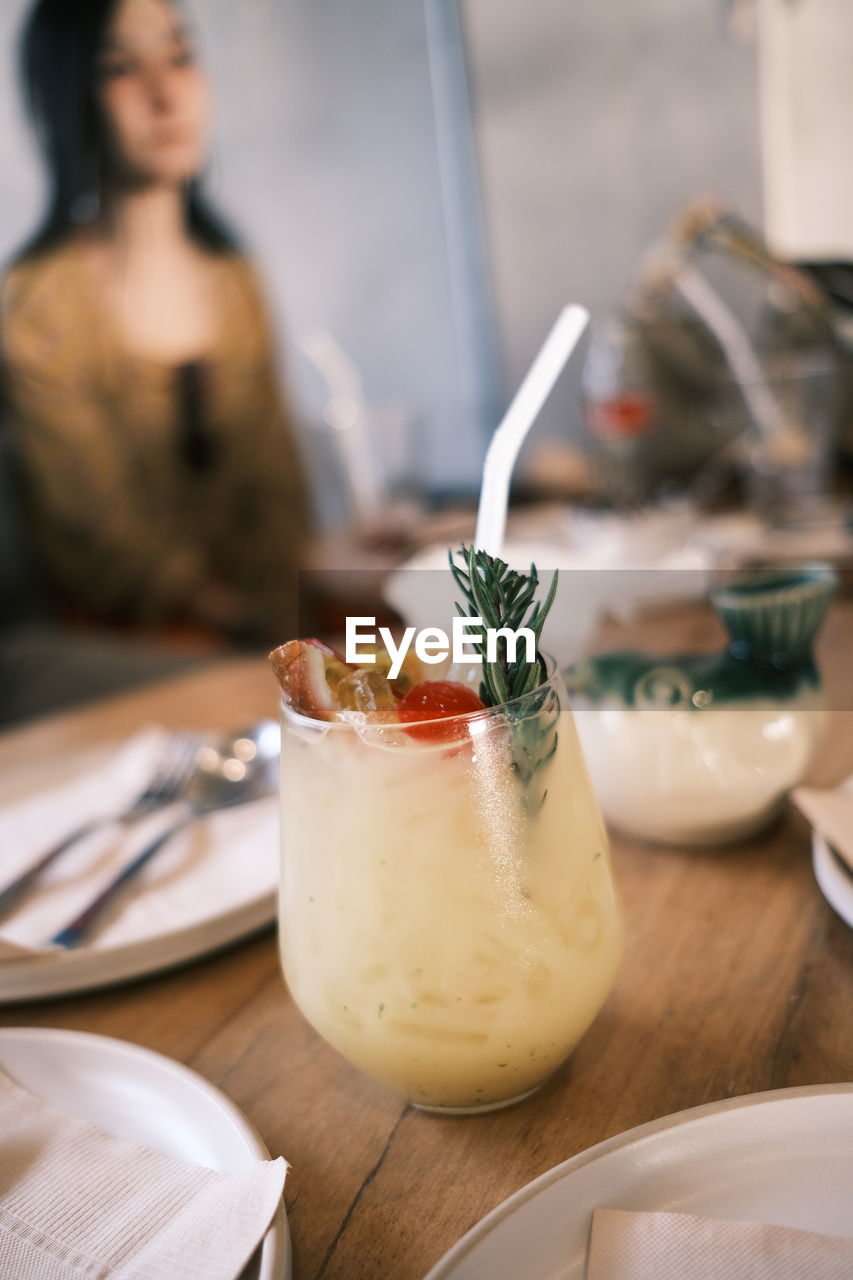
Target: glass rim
{"x": 553, "y": 671}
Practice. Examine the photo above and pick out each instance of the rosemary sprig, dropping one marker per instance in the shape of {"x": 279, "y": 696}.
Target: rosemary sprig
{"x": 505, "y": 598}
{"x": 502, "y": 597}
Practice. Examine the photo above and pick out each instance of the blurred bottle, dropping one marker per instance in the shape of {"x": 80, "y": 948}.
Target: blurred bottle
{"x": 836, "y": 281}
{"x": 792, "y": 467}
{"x": 619, "y": 412}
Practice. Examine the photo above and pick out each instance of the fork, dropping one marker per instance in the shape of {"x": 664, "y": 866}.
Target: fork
{"x": 166, "y": 784}
{"x": 214, "y": 785}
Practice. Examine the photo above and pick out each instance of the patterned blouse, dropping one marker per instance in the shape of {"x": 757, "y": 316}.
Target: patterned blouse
{"x": 144, "y": 480}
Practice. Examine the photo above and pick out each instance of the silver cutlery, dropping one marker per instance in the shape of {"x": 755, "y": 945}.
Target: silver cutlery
{"x": 240, "y": 769}
{"x": 167, "y": 783}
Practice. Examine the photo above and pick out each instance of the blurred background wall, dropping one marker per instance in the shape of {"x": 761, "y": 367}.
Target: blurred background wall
{"x": 595, "y": 123}
{"x": 342, "y": 155}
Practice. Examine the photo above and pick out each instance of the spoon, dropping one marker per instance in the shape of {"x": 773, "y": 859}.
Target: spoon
{"x": 239, "y": 768}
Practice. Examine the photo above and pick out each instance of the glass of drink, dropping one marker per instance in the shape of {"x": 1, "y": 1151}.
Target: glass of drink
{"x": 789, "y": 421}
{"x": 448, "y": 915}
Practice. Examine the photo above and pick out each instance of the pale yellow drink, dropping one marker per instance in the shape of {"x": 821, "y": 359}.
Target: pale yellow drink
{"x": 448, "y": 929}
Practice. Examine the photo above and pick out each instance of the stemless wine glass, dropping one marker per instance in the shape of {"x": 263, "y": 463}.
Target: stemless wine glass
{"x": 449, "y": 921}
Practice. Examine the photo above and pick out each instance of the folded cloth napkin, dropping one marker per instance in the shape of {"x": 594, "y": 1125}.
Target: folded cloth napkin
{"x": 76, "y": 1204}
{"x": 221, "y": 862}
{"x": 679, "y": 1246}
{"x": 830, "y": 811}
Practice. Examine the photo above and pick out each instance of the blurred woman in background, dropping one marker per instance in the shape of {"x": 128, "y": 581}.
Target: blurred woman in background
{"x": 162, "y": 481}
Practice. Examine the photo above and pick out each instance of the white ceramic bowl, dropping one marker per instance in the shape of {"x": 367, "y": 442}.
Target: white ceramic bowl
{"x": 595, "y": 579}
{"x": 696, "y": 777}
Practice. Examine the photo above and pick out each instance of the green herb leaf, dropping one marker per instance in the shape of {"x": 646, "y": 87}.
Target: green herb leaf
{"x": 504, "y": 599}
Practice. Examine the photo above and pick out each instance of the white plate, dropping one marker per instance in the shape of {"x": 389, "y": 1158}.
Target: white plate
{"x": 139, "y": 1096}
{"x": 60, "y": 973}
{"x": 214, "y": 923}
{"x": 784, "y": 1158}
{"x": 835, "y": 882}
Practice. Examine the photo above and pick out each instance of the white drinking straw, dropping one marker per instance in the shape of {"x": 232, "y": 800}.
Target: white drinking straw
{"x": 517, "y": 421}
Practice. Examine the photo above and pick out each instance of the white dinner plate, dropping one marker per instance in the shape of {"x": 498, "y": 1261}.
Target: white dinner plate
{"x": 217, "y": 922}
{"x": 834, "y": 880}
{"x": 784, "y": 1158}
{"x": 60, "y": 973}
{"x": 139, "y": 1096}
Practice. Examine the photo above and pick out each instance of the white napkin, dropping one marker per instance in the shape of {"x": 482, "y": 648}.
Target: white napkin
{"x": 75, "y": 1204}
{"x": 679, "y": 1246}
{"x": 830, "y": 811}
{"x": 221, "y": 862}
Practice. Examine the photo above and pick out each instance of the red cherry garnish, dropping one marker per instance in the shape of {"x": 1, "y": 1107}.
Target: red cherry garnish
{"x": 432, "y": 703}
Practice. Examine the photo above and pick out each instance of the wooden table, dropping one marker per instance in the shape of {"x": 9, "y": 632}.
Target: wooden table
{"x": 738, "y": 978}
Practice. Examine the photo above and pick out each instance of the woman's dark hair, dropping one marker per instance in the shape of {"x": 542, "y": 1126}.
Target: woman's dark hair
{"x": 60, "y": 45}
